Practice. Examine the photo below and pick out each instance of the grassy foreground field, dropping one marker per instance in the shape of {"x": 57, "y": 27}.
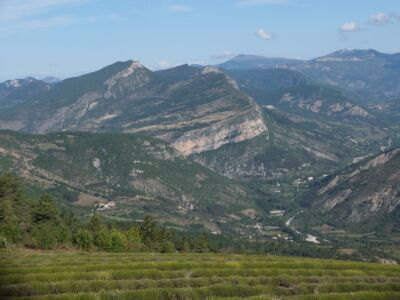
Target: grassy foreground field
{"x": 78, "y": 275}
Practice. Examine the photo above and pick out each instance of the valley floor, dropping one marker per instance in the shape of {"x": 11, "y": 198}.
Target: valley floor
{"x": 82, "y": 275}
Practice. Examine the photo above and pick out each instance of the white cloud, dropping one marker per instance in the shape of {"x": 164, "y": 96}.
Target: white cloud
{"x": 163, "y": 63}
{"x": 260, "y": 2}
{"x": 265, "y": 35}
{"x": 379, "y": 18}
{"x": 13, "y": 10}
{"x": 224, "y": 55}
{"x": 349, "y": 27}
{"x": 375, "y": 19}
{"x": 178, "y": 8}
{"x": 16, "y": 15}
{"x": 39, "y": 23}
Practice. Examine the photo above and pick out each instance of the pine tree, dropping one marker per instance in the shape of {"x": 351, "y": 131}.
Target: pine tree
{"x": 96, "y": 223}
{"x": 83, "y": 239}
{"x": 118, "y": 241}
{"x": 134, "y": 239}
{"x": 14, "y": 208}
{"x": 148, "y": 232}
{"x": 46, "y": 211}
{"x": 202, "y": 244}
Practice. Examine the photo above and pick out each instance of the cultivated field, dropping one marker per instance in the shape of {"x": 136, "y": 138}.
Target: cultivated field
{"x": 78, "y": 275}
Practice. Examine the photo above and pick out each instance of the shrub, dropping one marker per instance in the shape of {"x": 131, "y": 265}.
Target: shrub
{"x": 83, "y": 239}
{"x": 103, "y": 240}
{"x": 134, "y": 239}
{"x": 3, "y": 242}
{"x": 168, "y": 247}
{"x": 46, "y": 236}
{"x": 118, "y": 241}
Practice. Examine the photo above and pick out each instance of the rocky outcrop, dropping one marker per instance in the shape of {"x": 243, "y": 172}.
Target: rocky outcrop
{"x": 227, "y": 131}
{"x": 321, "y": 100}
{"x": 364, "y": 190}
{"x": 132, "y": 78}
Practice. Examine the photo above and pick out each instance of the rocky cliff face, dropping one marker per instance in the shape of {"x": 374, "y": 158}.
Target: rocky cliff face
{"x": 287, "y": 150}
{"x": 217, "y": 114}
{"x": 225, "y": 132}
{"x": 199, "y": 111}
{"x": 369, "y": 189}
{"x": 320, "y": 104}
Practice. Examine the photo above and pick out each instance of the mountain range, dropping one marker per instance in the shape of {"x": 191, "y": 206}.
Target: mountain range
{"x": 218, "y": 147}
{"x": 368, "y": 75}
{"x": 201, "y": 112}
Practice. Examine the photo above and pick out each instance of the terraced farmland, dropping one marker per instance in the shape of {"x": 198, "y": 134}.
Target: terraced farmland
{"x": 78, "y": 275}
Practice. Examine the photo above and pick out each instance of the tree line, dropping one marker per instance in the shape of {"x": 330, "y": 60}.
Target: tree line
{"x": 40, "y": 224}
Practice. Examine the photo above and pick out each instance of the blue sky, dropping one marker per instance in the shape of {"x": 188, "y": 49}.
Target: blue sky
{"x": 70, "y": 37}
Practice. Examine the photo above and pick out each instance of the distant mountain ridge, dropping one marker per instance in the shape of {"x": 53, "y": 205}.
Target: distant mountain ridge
{"x": 373, "y": 75}
{"x": 291, "y": 91}
{"x": 244, "y": 61}
{"x": 357, "y": 55}
{"x": 51, "y": 79}
{"x": 18, "y": 90}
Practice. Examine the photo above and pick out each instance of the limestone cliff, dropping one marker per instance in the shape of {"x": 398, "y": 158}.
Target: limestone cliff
{"x": 365, "y": 190}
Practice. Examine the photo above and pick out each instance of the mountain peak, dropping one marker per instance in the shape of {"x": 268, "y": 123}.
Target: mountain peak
{"x": 247, "y": 57}
{"x": 51, "y": 79}
{"x": 16, "y": 83}
{"x": 211, "y": 69}
{"x": 350, "y": 55}
{"x": 13, "y": 83}
{"x": 134, "y": 65}
{"x": 132, "y": 77}
{"x": 244, "y": 61}
{"x": 178, "y": 73}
